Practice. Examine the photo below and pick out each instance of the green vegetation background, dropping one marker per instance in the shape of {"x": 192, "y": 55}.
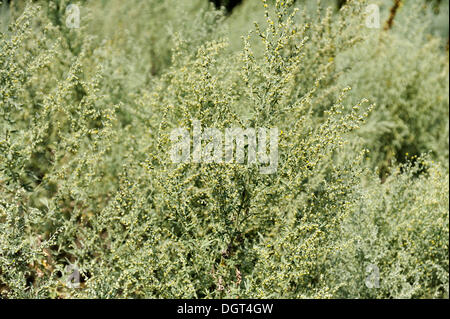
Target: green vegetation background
{"x": 86, "y": 178}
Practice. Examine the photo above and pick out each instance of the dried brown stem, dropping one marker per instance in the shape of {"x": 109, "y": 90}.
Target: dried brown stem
{"x": 390, "y": 21}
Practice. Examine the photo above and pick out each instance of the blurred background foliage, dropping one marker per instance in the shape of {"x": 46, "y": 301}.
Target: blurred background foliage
{"x": 363, "y": 174}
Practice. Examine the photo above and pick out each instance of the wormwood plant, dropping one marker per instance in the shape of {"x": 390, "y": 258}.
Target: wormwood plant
{"x": 404, "y": 71}
{"x": 86, "y": 177}
{"x": 409, "y": 247}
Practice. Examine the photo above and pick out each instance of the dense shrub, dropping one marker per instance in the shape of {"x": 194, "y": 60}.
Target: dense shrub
{"x": 86, "y": 176}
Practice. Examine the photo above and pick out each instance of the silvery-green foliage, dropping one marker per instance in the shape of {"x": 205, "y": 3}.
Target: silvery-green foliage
{"x": 402, "y": 227}
{"x": 86, "y": 177}
{"x": 404, "y": 72}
